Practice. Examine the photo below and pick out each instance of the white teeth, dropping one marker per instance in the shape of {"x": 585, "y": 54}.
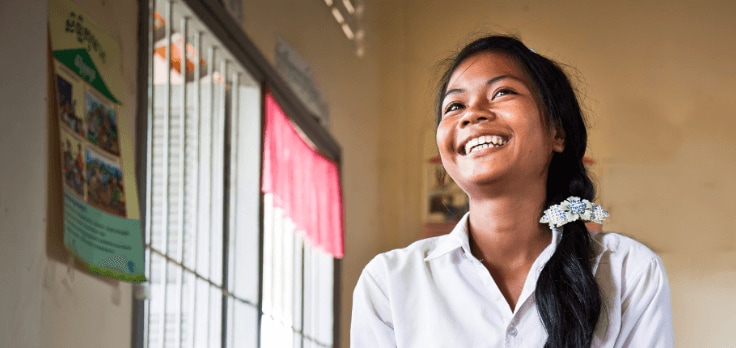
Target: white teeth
{"x": 484, "y": 142}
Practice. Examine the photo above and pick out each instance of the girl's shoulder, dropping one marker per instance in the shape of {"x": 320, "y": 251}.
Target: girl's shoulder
{"x": 624, "y": 255}
{"x": 618, "y": 243}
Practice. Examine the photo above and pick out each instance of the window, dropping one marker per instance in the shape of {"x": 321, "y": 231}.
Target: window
{"x": 302, "y": 209}
{"x": 226, "y": 266}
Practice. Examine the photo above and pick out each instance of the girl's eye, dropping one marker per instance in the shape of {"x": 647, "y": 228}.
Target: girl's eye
{"x": 453, "y": 107}
{"x": 503, "y": 92}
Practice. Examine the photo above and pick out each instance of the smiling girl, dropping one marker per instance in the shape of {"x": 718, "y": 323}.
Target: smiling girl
{"x": 520, "y": 269}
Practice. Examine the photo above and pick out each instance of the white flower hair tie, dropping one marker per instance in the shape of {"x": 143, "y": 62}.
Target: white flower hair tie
{"x": 572, "y": 209}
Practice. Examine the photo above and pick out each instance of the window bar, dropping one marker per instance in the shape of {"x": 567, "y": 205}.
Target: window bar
{"x": 221, "y": 203}
{"x": 166, "y": 147}
{"x": 149, "y": 166}
{"x": 308, "y": 304}
{"x": 196, "y": 151}
{"x": 218, "y": 155}
{"x": 287, "y": 260}
{"x": 165, "y": 129}
{"x": 266, "y": 272}
{"x": 336, "y": 297}
{"x": 221, "y": 151}
{"x": 231, "y": 235}
{"x": 195, "y": 175}
{"x": 227, "y": 196}
{"x": 141, "y": 306}
{"x": 183, "y": 127}
{"x": 212, "y": 116}
{"x": 278, "y": 270}
{"x": 277, "y": 288}
{"x": 150, "y": 131}
{"x": 182, "y": 143}
{"x": 299, "y": 296}
{"x": 211, "y": 152}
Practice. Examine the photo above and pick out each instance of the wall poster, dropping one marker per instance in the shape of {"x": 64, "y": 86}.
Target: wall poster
{"x": 101, "y": 216}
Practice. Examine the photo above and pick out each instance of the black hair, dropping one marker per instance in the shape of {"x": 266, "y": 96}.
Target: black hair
{"x": 567, "y": 295}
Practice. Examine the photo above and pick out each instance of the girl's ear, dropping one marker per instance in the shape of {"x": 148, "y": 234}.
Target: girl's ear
{"x": 558, "y": 141}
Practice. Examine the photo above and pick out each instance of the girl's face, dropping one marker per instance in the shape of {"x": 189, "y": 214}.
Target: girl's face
{"x": 492, "y": 131}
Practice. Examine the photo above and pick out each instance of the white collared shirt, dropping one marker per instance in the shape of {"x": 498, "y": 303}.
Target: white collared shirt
{"x": 434, "y": 293}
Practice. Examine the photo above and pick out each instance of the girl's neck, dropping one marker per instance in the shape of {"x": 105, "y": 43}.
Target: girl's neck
{"x": 506, "y": 229}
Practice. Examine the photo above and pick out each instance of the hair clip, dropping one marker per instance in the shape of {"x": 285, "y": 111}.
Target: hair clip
{"x": 572, "y": 209}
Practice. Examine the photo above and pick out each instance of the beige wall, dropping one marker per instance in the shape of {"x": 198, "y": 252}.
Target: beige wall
{"x": 23, "y": 175}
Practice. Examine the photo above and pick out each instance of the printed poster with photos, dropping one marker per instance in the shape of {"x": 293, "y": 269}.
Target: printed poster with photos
{"x": 101, "y": 216}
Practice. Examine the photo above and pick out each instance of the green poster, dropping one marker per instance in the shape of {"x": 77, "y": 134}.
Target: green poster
{"x": 101, "y": 214}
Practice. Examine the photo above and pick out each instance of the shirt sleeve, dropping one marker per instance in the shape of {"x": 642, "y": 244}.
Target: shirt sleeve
{"x": 371, "y": 323}
{"x": 646, "y": 310}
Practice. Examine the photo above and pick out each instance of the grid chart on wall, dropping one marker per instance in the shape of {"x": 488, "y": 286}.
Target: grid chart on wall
{"x": 225, "y": 266}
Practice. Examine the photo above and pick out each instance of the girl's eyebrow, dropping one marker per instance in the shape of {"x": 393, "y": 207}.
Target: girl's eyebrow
{"x": 488, "y": 83}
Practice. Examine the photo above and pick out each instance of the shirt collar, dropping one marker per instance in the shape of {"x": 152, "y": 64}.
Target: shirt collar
{"x": 458, "y": 239}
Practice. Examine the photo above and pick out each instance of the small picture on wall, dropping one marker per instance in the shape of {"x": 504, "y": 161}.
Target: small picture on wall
{"x": 446, "y": 201}
{"x": 105, "y": 183}
{"x": 72, "y": 163}
{"x": 67, "y": 106}
{"x": 102, "y": 127}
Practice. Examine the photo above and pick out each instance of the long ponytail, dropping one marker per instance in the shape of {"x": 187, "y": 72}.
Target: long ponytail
{"x": 568, "y": 298}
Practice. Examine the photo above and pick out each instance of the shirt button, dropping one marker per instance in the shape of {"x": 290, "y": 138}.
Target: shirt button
{"x": 512, "y": 331}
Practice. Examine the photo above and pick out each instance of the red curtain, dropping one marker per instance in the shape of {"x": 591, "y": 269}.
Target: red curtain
{"x": 305, "y": 184}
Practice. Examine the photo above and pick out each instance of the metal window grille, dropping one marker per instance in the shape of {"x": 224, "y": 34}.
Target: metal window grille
{"x": 225, "y": 267}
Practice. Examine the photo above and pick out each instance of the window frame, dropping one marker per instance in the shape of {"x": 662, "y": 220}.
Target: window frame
{"x": 231, "y": 35}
